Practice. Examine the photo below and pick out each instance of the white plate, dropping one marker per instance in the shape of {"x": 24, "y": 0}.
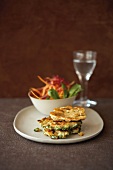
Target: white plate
{"x": 26, "y": 121}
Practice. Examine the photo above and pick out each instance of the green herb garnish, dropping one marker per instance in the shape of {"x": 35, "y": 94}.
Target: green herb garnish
{"x": 53, "y": 93}
{"x": 74, "y": 90}
{"x": 65, "y": 91}
{"x": 37, "y": 129}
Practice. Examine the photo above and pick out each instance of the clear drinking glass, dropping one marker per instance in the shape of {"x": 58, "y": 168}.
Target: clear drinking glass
{"x": 84, "y": 64}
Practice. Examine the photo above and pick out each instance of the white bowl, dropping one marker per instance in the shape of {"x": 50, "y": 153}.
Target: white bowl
{"x": 46, "y": 106}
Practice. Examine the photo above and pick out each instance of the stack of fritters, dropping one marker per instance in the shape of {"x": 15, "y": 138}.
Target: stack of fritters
{"x": 63, "y": 121}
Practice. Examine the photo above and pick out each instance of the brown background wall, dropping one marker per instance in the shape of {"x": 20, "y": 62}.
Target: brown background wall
{"x": 38, "y": 37}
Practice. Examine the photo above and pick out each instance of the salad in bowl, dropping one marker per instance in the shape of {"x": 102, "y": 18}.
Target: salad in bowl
{"x": 56, "y": 92}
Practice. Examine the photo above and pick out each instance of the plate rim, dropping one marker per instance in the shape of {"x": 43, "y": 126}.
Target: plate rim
{"x": 55, "y": 141}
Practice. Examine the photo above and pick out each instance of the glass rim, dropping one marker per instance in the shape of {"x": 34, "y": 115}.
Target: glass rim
{"x": 84, "y": 55}
{"x": 84, "y": 51}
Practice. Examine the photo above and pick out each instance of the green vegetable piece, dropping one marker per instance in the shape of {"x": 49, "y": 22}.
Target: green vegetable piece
{"x": 37, "y": 129}
{"x": 47, "y": 98}
{"x": 53, "y": 93}
{"x": 66, "y": 93}
{"x": 74, "y": 90}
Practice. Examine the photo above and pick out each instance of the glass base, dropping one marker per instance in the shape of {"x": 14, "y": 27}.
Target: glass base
{"x": 86, "y": 103}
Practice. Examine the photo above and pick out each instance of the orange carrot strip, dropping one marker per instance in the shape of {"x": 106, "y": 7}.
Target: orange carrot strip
{"x": 45, "y": 90}
{"x": 42, "y": 80}
{"x": 36, "y": 90}
{"x": 35, "y": 95}
{"x": 70, "y": 84}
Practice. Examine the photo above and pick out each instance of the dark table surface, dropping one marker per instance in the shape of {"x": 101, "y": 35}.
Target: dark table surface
{"x": 18, "y": 153}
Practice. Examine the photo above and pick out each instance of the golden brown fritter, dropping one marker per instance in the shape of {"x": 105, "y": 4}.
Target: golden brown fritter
{"x": 58, "y": 125}
{"x": 68, "y": 113}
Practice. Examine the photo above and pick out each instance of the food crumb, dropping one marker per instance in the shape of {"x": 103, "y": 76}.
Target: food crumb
{"x": 37, "y": 130}
{"x": 81, "y": 133}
